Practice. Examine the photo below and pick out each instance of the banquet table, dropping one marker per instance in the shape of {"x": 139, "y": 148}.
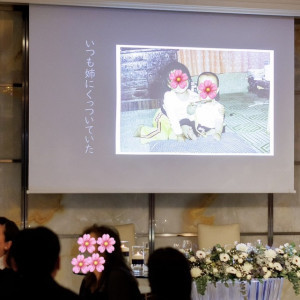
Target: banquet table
{"x": 267, "y": 289}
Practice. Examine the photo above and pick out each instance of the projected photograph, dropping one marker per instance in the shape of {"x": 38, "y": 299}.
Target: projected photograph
{"x": 194, "y": 101}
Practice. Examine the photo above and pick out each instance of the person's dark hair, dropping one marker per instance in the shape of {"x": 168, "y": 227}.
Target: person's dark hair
{"x": 116, "y": 258}
{"x": 168, "y": 267}
{"x": 36, "y": 250}
{"x": 10, "y": 229}
{"x": 161, "y": 83}
{"x": 174, "y": 65}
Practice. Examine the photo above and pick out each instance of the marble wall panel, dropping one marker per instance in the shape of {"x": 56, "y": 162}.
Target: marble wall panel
{"x": 253, "y": 239}
{"x": 287, "y": 208}
{"x": 10, "y": 119}
{"x": 10, "y": 191}
{"x": 11, "y": 37}
{"x": 182, "y": 212}
{"x": 71, "y": 213}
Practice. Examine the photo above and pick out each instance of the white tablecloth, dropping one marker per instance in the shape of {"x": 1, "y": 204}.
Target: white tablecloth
{"x": 268, "y": 289}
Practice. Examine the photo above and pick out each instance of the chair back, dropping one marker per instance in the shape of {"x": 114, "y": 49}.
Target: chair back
{"x": 127, "y": 233}
{"x": 210, "y": 235}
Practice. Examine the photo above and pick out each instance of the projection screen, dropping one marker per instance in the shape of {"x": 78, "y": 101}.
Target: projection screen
{"x": 106, "y": 117}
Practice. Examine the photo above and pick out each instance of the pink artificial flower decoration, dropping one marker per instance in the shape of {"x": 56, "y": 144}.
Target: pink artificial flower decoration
{"x": 96, "y": 262}
{"x": 106, "y": 243}
{"x": 80, "y": 264}
{"x": 207, "y": 89}
{"x": 177, "y": 78}
{"x": 86, "y": 243}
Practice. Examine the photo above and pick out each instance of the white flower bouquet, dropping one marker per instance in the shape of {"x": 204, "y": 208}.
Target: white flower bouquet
{"x": 245, "y": 262}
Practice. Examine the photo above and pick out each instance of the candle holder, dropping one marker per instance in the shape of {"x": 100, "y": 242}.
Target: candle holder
{"x": 125, "y": 250}
{"x": 137, "y": 260}
{"x": 146, "y": 257}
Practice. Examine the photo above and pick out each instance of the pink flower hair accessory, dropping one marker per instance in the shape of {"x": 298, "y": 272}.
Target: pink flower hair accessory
{"x": 82, "y": 264}
{"x": 178, "y": 78}
{"x": 208, "y": 89}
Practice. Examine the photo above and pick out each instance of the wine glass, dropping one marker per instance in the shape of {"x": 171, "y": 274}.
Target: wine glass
{"x": 187, "y": 246}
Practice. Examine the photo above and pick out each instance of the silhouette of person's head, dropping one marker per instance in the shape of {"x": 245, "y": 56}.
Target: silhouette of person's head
{"x": 36, "y": 251}
{"x": 169, "y": 268}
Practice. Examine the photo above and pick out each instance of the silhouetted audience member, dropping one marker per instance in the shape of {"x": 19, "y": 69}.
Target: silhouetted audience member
{"x": 36, "y": 258}
{"x": 8, "y": 232}
{"x": 8, "y": 278}
{"x": 116, "y": 281}
{"x": 169, "y": 275}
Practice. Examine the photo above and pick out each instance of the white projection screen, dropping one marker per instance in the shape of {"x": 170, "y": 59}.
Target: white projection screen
{"x": 105, "y": 118}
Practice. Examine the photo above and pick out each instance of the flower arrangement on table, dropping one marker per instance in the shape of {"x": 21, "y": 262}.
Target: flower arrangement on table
{"x": 244, "y": 262}
{"x": 95, "y": 261}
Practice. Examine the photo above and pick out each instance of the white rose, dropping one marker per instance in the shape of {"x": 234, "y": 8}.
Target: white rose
{"x": 208, "y": 261}
{"x": 267, "y": 275}
{"x": 296, "y": 260}
{"x": 200, "y": 254}
{"x": 286, "y": 245}
{"x": 298, "y": 274}
{"x": 238, "y": 274}
{"x": 196, "y": 272}
{"x": 248, "y": 277}
{"x": 285, "y": 255}
{"x": 215, "y": 270}
{"x": 192, "y": 259}
{"x": 231, "y": 270}
{"x": 242, "y": 247}
{"x": 224, "y": 257}
{"x": 247, "y": 267}
{"x": 271, "y": 265}
{"x": 270, "y": 254}
{"x": 244, "y": 255}
{"x": 265, "y": 269}
{"x": 240, "y": 260}
{"x": 235, "y": 257}
{"x": 219, "y": 249}
{"x": 279, "y": 251}
{"x": 278, "y": 266}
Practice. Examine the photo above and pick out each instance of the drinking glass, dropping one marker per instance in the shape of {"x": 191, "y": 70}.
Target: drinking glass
{"x": 137, "y": 260}
{"x": 187, "y": 246}
{"x": 125, "y": 250}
